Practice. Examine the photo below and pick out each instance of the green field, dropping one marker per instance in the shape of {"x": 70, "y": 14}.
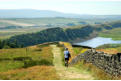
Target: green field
{"x": 115, "y": 34}
{"x": 59, "y": 20}
{"x": 43, "y": 22}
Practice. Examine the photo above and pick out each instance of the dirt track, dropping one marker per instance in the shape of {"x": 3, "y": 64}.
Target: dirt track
{"x": 65, "y": 73}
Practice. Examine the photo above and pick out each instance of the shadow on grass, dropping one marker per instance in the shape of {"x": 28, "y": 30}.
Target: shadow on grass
{"x": 16, "y": 59}
{"x": 29, "y": 63}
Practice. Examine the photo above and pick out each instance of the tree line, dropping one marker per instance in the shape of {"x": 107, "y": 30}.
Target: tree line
{"x": 6, "y": 44}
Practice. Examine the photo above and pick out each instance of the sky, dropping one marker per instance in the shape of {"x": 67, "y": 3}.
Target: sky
{"x": 95, "y": 7}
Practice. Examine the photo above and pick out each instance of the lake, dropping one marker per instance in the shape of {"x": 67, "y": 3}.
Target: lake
{"x": 95, "y": 42}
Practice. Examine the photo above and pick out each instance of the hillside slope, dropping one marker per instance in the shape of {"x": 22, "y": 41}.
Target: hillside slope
{"x": 39, "y": 62}
{"x": 45, "y": 62}
{"x": 52, "y": 34}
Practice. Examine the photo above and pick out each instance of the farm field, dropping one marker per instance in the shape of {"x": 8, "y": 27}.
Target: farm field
{"x": 4, "y": 34}
{"x": 40, "y": 22}
{"x": 10, "y": 22}
{"x": 115, "y": 34}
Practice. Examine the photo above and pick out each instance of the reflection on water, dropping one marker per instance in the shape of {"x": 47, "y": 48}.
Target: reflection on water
{"x": 95, "y": 42}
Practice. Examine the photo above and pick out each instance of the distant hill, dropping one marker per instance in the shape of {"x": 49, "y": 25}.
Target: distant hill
{"x": 31, "y": 13}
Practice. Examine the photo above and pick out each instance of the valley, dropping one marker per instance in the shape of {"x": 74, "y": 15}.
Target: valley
{"x": 30, "y": 25}
{"x": 60, "y": 40}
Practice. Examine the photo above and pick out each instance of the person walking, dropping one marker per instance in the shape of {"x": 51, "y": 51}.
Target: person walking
{"x": 67, "y": 55}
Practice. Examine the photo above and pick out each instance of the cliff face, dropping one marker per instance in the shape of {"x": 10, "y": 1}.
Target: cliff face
{"x": 111, "y": 64}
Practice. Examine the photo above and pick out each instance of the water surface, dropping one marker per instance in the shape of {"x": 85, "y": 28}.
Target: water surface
{"x": 95, "y": 42}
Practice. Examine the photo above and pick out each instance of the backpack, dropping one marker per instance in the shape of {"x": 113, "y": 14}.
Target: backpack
{"x": 69, "y": 55}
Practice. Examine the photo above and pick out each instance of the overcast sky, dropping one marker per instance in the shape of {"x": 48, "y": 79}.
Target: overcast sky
{"x": 98, "y": 7}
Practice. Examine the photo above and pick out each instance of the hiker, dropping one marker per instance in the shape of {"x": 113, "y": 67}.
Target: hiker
{"x": 67, "y": 56}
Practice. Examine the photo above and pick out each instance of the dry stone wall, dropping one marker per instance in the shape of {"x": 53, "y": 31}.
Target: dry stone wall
{"x": 111, "y": 64}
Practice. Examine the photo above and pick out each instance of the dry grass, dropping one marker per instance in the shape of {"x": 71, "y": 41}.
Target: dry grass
{"x": 97, "y": 73}
{"x": 74, "y": 51}
{"x": 32, "y": 73}
{"x": 109, "y": 50}
{"x": 79, "y": 50}
{"x": 100, "y": 74}
{"x": 13, "y": 70}
{"x": 70, "y": 48}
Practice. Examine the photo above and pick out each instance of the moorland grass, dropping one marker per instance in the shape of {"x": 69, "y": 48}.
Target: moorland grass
{"x": 31, "y": 63}
{"x": 31, "y": 73}
{"x": 25, "y": 57}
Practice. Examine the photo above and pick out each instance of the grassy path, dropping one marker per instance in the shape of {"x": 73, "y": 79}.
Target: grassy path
{"x": 69, "y": 73}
